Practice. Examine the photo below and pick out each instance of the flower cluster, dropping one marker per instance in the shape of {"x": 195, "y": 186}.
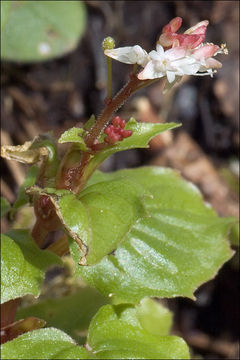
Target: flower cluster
{"x": 115, "y": 131}
{"x": 175, "y": 54}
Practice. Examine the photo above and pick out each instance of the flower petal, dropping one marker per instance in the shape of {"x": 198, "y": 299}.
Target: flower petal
{"x": 149, "y": 72}
{"x": 173, "y": 25}
{"x": 193, "y": 29}
{"x": 129, "y": 55}
{"x": 160, "y": 50}
{"x": 170, "y": 76}
{"x": 175, "y": 53}
{"x": 213, "y": 63}
{"x": 205, "y": 51}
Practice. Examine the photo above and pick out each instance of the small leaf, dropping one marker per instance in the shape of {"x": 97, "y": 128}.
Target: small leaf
{"x": 180, "y": 245}
{"x": 116, "y": 333}
{"x": 40, "y": 30}
{"x": 71, "y": 313}
{"x": 43, "y": 344}
{"x": 23, "y": 265}
{"x": 74, "y": 135}
{"x": 91, "y": 121}
{"x": 5, "y": 206}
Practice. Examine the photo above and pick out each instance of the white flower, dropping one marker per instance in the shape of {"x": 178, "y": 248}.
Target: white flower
{"x": 171, "y": 63}
{"x": 129, "y": 55}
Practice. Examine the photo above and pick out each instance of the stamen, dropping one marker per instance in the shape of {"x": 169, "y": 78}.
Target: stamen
{"x": 224, "y": 48}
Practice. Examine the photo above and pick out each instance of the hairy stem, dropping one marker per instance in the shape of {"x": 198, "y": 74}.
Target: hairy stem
{"x": 112, "y": 106}
{"x": 72, "y": 178}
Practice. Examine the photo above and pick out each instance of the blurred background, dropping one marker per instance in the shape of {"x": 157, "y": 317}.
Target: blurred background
{"x": 53, "y": 76}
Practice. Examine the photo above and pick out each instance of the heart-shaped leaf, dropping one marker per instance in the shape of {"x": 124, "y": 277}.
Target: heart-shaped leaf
{"x": 43, "y": 344}
{"x": 40, "y": 30}
{"x": 23, "y": 265}
{"x": 181, "y": 244}
{"x": 116, "y": 333}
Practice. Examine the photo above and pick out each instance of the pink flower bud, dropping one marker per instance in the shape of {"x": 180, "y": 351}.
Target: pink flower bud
{"x": 194, "y": 29}
{"x": 166, "y": 39}
{"x": 200, "y": 30}
{"x": 166, "y": 29}
{"x": 117, "y": 121}
{"x": 173, "y": 25}
{"x": 205, "y": 51}
{"x": 189, "y": 41}
{"x": 127, "y": 133}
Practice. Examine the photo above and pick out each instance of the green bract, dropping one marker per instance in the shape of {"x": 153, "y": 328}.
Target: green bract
{"x": 116, "y": 333}
{"x": 40, "y": 30}
{"x": 23, "y": 265}
{"x": 180, "y": 244}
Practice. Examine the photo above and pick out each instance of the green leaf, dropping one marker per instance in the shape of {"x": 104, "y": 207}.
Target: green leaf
{"x": 116, "y": 333}
{"x": 154, "y": 317}
{"x": 71, "y": 313}
{"x": 43, "y": 344}
{"x": 180, "y": 245}
{"x": 5, "y": 206}
{"x": 40, "y": 30}
{"x": 23, "y": 265}
{"x": 91, "y": 121}
{"x": 29, "y": 180}
{"x": 5, "y": 9}
{"x": 84, "y": 217}
{"x": 74, "y": 135}
{"x": 142, "y": 133}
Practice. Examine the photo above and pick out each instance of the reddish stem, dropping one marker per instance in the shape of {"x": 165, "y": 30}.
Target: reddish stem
{"x": 111, "y": 108}
{"x": 71, "y": 178}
